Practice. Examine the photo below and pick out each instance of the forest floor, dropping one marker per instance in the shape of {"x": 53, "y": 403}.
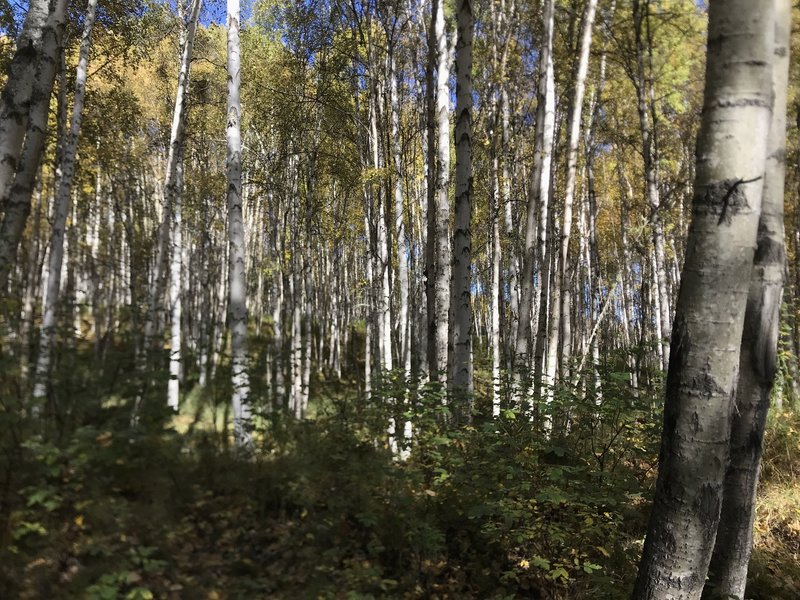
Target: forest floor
{"x": 322, "y": 510}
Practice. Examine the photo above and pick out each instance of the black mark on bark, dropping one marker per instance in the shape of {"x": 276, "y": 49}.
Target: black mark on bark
{"x": 724, "y": 198}
{"x": 708, "y": 506}
{"x": 769, "y": 251}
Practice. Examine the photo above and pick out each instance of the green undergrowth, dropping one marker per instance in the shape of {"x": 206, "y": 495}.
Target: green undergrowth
{"x": 321, "y": 508}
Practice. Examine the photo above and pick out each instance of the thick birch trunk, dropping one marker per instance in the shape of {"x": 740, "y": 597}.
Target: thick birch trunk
{"x": 237, "y": 302}
{"x": 731, "y": 160}
{"x": 15, "y": 102}
{"x": 462, "y": 235}
{"x": 16, "y": 198}
{"x": 63, "y": 199}
{"x": 758, "y": 360}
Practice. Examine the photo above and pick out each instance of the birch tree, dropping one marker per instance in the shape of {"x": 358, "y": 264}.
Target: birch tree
{"x": 538, "y": 199}
{"x": 16, "y": 198}
{"x": 16, "y": 98}
{"x": 758, "y": 359}
{"x": 705, "y": 349}
{"x": 170, "y": 187}
{"x": 237, "y": 302}
{"x": 441, "y": 204}
{"x": 462, "y": 234}
{"x": 561, "y": 305}
{"x": 61, "y": 210}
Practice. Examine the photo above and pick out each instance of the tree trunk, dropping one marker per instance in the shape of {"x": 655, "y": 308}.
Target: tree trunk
{"x": 175, "y": 289}
{"x": 170, "y": 183}
{"x": 16, "y": 198}
{"x": 237, "y": 283}
{"x": 403, "y": 243}
{"x": 495, "y": 287}
{"x": 430, "y": 209}
{"x": 645, "y": 93}
{"x": 462, "y": 234}
{"x": 441, "y": 206}
{"x": 15, "y": 102}
{"x": 731, "y": 155}
{"x": 538, "y": 197}
{"x": 758, "y": 359}
{"x": 62, "y": 199}
{"x": 561, "y": 279}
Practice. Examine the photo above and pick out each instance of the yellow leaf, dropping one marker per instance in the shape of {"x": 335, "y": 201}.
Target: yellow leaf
{"x": 79, "y": 521}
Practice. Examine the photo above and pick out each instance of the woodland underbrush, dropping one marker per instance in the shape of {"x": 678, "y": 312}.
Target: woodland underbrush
{"x": 322, "y": 508}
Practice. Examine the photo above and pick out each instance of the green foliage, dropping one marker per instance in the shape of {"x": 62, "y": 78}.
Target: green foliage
{"x": 490, "y": 510}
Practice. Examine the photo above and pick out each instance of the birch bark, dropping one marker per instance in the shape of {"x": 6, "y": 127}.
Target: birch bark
{"x": 175, "y": 288}
{"x": 561, "y": 279}
{"x": 237, "y": 283}
{"x": 645, "y": 93}
{"x": 462, "y": 235}
{"x": 62, "y": 200}
{"x": 16, "y": 198}
{"x": 170, "y": 183}
{"x": 441, "y": 205}
{"x": 731, "y": 160}
{"x": 538, "y": 198}
{"x": 15, "y": 102}
{"x": 758, "y": 360}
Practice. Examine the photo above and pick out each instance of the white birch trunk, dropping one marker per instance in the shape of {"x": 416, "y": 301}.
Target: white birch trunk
{"x": 561, "y": 276}
{"x": 758, "y": 362}
{"x": 539, "y": 197}
{"x": 17, "y": 93}
{"x": 403, "y": 243}
{"x": 175, "y": 288}
{"x": 441, "y": 207}
{"x": 706, "y": 339}
{"x": 62, "y": 208}
{"x": 16, "y": 199}
{"x": 461, "y": 299}
{"x": 495, "y": 289}
{"x": 237, "y": 302}
{"x": 170, "y": 183}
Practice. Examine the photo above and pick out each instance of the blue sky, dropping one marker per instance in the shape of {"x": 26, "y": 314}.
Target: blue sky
{"x": 213, "y": 10}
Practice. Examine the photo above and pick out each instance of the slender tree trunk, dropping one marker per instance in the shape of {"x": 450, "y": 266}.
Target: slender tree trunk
{"x": 383, "y": 296}
{"x": 561, "y": 276}
{"x": 758, "y": 360}
{"x": 538, "y": 198}
{"x": 170, "y": 181}
{"x": 645, "y": 92}
{"x": 462, "y": 235}
{"x": 237, "y": 302}
{"x": 441, "y": 204}
{"x": 175, "y": 289}
{"x": 731, "y": 159}
{"x": 403, "y": 243}
{"x": 63, "y": 199}
{"x": 495, "y": 288}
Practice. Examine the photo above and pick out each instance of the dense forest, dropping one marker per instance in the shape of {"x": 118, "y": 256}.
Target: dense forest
{"x": 399, "y": 299}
